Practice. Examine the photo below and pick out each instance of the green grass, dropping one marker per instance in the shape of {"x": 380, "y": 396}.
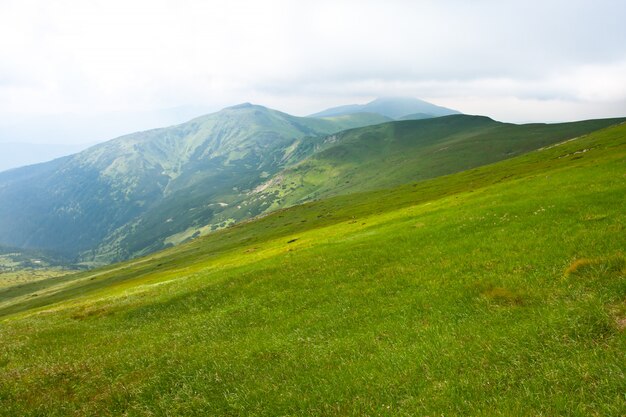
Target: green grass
{"x": 392, "y": 154}
{"x": 496, "y": 291}
{"x": 24, "y": 276}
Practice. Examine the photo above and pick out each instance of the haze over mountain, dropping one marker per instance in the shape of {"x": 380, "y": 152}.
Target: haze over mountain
{"x": 36, "y": 139}
{"x": 17, "y": 154}
{"x": 393, "y": 107}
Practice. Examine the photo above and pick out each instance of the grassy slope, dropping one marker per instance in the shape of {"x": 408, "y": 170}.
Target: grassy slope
{"x": 396, "y": 153}
{"x": 494, "y": 291}
{"x": 24, "y": 276}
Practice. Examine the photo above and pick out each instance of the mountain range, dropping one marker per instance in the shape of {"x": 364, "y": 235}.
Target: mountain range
{"x": 149, "y": 190}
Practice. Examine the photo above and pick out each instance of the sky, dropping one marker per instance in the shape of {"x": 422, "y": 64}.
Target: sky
{"x": 81, "y": 71}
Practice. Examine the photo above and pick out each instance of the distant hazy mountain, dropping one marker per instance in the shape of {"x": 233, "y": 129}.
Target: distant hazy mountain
{"x": 92, "y": 128}
{"x": 417, "y": 116}
{"x": 139, "y": 192}
{"x": 13, "y": 155}
{"x": 393, "y": 107}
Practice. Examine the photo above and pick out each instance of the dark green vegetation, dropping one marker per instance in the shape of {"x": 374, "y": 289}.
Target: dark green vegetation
{"x": 496, "y": 291}
{"x": 150, "y": 190}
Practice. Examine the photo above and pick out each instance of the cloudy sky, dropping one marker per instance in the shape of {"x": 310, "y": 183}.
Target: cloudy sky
{"x": 83, "y": 71}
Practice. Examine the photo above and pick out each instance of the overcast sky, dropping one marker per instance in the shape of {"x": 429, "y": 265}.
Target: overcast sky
{"x": 104, "y": 67}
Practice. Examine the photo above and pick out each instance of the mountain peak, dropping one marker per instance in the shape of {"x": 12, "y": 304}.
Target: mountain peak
{"x": 394, "y": 107}
{"x": 245, "y": 106}
{"x": 387, "y": 99}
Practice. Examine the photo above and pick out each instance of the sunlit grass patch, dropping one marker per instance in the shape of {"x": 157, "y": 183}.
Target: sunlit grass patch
{"x": 618, "y": 312}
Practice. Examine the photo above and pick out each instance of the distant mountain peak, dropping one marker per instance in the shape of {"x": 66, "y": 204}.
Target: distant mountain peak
{"x": 394, "y": 107}
{"x": 245, "y": 105}
{"x": 386, "y": 99}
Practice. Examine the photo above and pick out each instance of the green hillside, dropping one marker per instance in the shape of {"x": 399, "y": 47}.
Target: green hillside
{"x": 400, "y": 152}
{"x": 386, "y": 155}
{"x": 127, "y": 196}
{"x": 495, "y": 291}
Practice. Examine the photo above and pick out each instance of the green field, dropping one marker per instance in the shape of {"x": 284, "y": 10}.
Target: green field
{"x": 24, "y": 276}
{"x": 495, "y": 291}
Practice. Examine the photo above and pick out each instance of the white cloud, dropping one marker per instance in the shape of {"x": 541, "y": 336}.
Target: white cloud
{"x": 539, "y": 60}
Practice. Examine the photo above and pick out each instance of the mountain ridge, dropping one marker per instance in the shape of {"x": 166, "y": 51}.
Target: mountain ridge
{"x": 75, "y": 202}
{"x": 148, "y": 190}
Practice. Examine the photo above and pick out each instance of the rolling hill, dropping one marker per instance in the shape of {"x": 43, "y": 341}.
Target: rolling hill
{"x": 493, "y": 291}
{"x": 396, "y": 153}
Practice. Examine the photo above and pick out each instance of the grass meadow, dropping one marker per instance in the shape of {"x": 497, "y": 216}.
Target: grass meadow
{"x": 495, "y": 291}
